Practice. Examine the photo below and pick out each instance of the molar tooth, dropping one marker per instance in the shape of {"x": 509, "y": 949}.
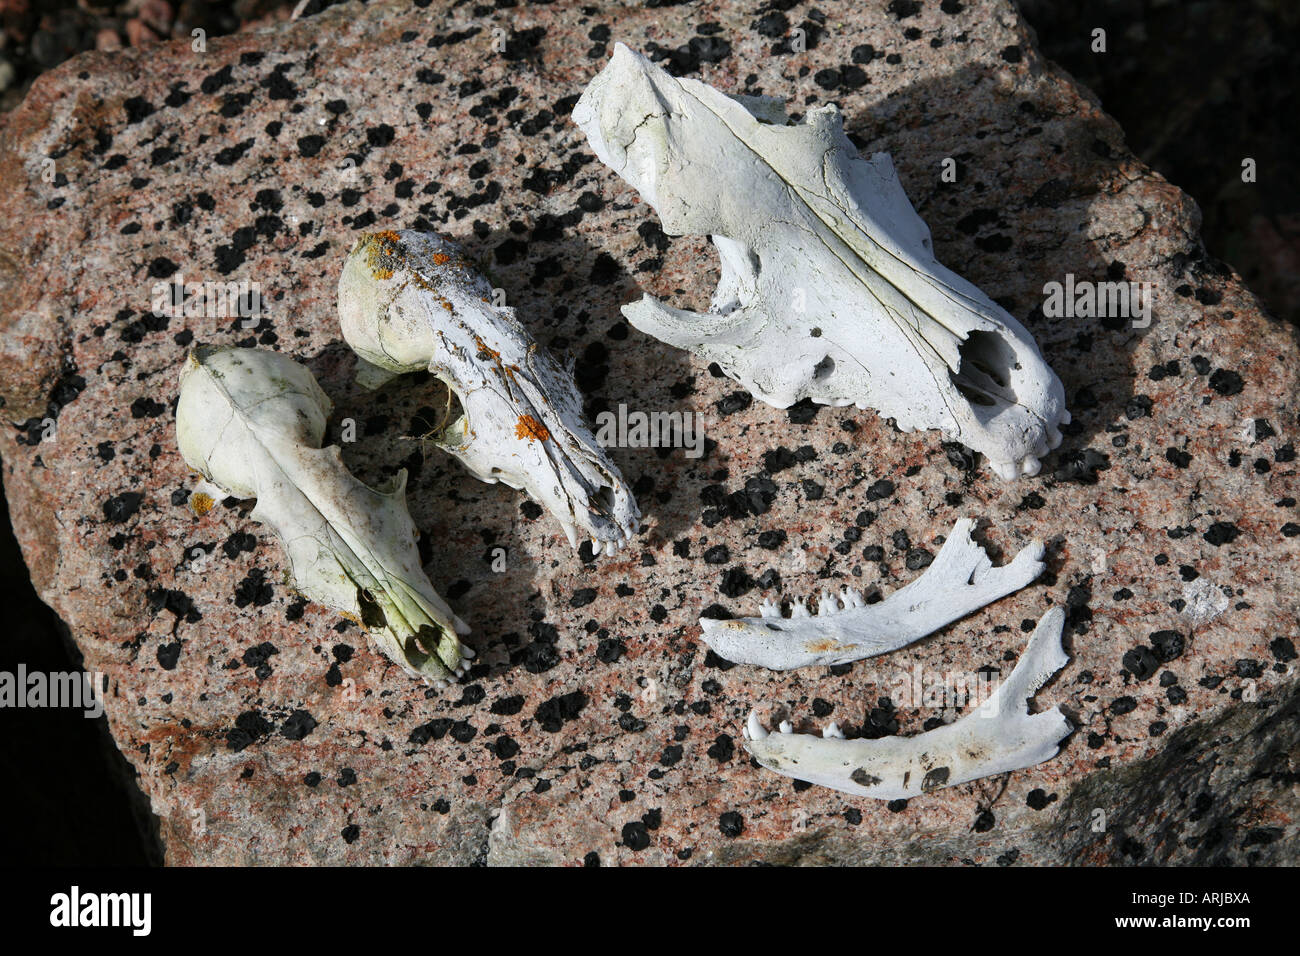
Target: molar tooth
{"x": 799, "y": 609}
{"x": 1065, "y": 416}
{"x": 754, "y": 727}
{"x": 769, "y": 609}
{"x": 786, "y": 727}
{"x": 853, "y": 598}
{"x": 833, "y": 730}
{"x": 827, "y": 604}
{"x": 1030, "y": 466}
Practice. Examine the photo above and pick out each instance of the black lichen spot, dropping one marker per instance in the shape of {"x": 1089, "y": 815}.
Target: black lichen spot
{"x": 169, "y": 655}
{"x": 731, "y": 824}
{"x": 1141, "y": 662}
{"x": 253, "y": 589}
{"x": 250, "y": 726}
{"x": 1221, "y": 533}
{"x": 137, "y": 108}
{"x": 145, "y": 407}
{"x": 635, "y": 836}
{"x": 120, "y": 508}
{"x": 1226, "y": 382}
{"x": 935, "y": 778}
{"x": 310, "y": 145}
{"x": 298, "y": 725}
{"x": 554, "y": 713}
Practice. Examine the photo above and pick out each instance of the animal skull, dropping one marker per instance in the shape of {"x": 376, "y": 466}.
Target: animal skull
{"x": 410, "y": 301}
{"x": 830, "y": 289}
{"x": 998, "y": 736}
{"x": 251, "y": 422}
{"x": 960, "y": 580}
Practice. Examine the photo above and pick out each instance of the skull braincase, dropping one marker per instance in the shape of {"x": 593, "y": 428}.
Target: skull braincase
{"x": 830, "y": 289}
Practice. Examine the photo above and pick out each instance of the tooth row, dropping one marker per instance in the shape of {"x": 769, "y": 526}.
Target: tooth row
{"x": 754, "y": 729}
{"x": 829, "y": 603}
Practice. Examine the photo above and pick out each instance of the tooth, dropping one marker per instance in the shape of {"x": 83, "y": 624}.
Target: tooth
{"x": 799, "y": 609}
{"x": 769, "y": 609}
{"x": 827, "y": 604}
{"x": 1030, "y": 466}
{"x": 465, "y": 652}
{"x": 786, "y": 727}
{"x": 1065, "y": 417}
{"x": 853, "y": 598}
{"x": 833, "y": 730}
{"x": 571, "y": 533}
{"x": 754, "y": 727}
{"x": 1053, "y": 436}
{"x": 595, "y": 548}
{"x": 1006, "y": 470}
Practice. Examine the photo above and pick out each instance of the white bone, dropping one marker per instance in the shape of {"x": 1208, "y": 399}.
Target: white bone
{"x": 830, "y": 289}
{"x": 252, "y": 422}
{"x": 960, "y": 580}
{"x": 998, "y": 736}
{"x": 410, "y": 301}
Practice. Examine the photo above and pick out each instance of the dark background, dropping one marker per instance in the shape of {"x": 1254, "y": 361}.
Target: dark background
{"x": 1197, "y": 87}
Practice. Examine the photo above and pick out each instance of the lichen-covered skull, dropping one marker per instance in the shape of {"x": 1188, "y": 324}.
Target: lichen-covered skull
{"x": 410, "y": 301}
{"x": 830, "y": 289}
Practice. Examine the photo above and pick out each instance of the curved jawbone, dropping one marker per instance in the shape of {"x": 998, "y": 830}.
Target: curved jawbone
{"x": 999, "y": 736}
{"x": 830, "y": 289}
{"x": 959, "y": 581}
{"x": 410, "y": 301}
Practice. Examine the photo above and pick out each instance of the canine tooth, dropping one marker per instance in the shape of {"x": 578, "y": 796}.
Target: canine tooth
{"x": 755, "y": 727}
{"x": 571, "y": 533}
{"x": 786, "y": 727}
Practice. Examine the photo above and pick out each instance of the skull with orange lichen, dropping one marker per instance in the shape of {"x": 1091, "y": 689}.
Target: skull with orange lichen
{"x": 411, "y": 301}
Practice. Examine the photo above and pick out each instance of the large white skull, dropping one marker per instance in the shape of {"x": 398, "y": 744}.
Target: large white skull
{"x": 411, "y": 301}
{"x": 830, "y": 289}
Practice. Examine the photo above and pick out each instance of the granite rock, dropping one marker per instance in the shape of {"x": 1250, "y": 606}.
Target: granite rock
{"x": 594, "y": 726}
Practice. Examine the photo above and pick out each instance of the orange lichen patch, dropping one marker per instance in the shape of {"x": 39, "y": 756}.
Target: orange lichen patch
{"x": 491, "y": 353}
{"x": 355, "y": 619}
{"x": 447, "y": 305}
{"x": 530, "y": 428}
{"x": 825, "y": 645}
{"x": 441, "y": 258}
{"x": 384, "y": 253}
{"x": 201, "y": 503}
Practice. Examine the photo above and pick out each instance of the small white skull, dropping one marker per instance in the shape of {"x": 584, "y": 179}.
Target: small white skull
{"x": 410, "y": 301}
{"x": 830, "y": 289}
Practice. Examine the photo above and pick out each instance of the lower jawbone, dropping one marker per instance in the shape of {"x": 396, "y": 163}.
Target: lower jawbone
{"x": 998, "y": 736}
{"x": 830, "y": 289}
{"x": 410, "y": 301}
